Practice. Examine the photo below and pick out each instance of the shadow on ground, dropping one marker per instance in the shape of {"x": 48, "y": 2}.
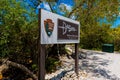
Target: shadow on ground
{"x": 93, "y": 63}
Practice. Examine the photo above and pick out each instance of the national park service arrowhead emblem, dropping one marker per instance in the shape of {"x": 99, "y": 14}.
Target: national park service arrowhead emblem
{"x": 49, "y": 26}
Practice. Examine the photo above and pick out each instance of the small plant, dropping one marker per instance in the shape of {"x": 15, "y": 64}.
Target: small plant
{"x": 52, "y": 64}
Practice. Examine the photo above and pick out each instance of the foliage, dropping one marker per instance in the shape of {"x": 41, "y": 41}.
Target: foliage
{"x": 15, "y": 30}
{"x": 116, "y": 37}
{"x": 18, "y": 33}
{"x": 95, "y": 36}
{"x": 52, "y": 64}
{"x": 90, "y": 13}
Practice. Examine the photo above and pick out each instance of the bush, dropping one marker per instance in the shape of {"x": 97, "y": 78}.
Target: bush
{"x": 51, "y": 64}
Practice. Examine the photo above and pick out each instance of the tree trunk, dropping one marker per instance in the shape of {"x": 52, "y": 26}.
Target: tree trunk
{"x": 6, "y": 63}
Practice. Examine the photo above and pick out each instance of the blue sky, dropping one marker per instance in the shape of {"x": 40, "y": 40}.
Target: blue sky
{"x": 117, "y": 22}
{"x": 69, "y": 4}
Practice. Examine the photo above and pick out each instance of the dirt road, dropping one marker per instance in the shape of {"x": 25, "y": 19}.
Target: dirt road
{"x": 101, "y": 65}
{"x": 96, "y": 66}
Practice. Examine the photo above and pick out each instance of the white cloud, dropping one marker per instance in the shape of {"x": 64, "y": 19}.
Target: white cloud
{"x": 68, "y": 7}
{"x": 44, "y": 5}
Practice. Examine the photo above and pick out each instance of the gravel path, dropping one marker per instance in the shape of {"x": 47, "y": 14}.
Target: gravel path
{"x": 96, "y": 66}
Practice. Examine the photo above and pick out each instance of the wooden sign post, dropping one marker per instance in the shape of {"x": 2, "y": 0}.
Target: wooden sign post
{"x": 41, "y": 53}
{"x": 76, "y": 59}
{"x": 41, "y": 60}
{"x": 56, "y": 29}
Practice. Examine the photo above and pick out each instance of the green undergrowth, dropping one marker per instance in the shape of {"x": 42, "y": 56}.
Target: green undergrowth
{"x": 51, "y": 64}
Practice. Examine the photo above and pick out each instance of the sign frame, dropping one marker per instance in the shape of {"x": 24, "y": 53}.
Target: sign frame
{"x": 52, "y": 19}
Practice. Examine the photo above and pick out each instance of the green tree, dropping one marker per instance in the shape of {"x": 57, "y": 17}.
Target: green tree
{"x": 90, "y": 13}
{"x": 115, "y": 33}
{"x": 17, "y": 28}
{"x": 18, "y": 34}
{"x": 96, "y": 36}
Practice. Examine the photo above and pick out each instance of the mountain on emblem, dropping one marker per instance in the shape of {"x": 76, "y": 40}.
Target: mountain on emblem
{"x": 49, "y": 26}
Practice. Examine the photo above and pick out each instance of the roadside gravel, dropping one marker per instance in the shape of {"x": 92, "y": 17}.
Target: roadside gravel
{"x": 96, "y": 65}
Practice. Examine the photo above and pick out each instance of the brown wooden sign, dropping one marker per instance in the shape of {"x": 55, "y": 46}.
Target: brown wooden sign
{"x": 67, "y": 30}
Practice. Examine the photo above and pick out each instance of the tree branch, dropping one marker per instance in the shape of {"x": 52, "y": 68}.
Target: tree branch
{"x": 50, "y": 7}
{"x": 7, "y": 63}
{"x": 75, "y": 9}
